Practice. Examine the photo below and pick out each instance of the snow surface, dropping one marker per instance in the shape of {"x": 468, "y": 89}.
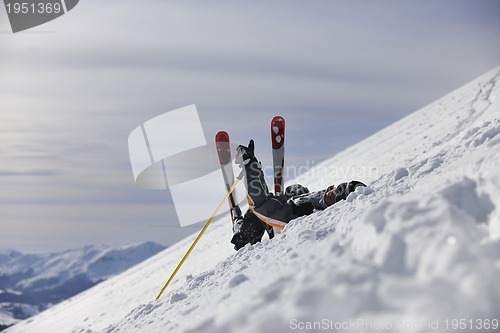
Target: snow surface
{"x": 419, "y": 246}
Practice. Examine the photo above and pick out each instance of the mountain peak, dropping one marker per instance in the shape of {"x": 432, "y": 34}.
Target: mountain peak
{"x": 30, "y": 283}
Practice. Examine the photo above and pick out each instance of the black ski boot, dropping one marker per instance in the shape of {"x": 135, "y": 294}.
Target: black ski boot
{"x": 247, "y": 230}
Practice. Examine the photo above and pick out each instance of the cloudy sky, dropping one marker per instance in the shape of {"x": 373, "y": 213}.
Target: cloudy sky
{"x": 72, "y": 90}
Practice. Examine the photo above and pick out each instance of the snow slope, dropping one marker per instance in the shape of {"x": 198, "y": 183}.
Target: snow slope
{"x": 418, "y": 247}
{"x": 30, "y": 283}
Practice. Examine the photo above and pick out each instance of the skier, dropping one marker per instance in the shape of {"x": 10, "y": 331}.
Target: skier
{"x": 269, "y": 210}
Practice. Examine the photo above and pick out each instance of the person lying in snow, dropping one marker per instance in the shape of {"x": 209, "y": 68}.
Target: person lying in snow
{"x": 268, "y": 210}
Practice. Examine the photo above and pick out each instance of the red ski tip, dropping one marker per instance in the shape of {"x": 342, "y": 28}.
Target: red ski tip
{"x": 278, "y": 132}
{"x": 223, "y": 147}
{"x": 222, "y": 136}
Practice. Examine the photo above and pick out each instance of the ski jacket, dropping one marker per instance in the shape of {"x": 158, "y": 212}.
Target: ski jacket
{"x": 315, "y": 198}
{"x": 276, "y": 210}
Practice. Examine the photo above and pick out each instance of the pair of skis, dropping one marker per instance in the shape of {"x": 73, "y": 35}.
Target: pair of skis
{"x": 222, "y": 142}
{"x": 224, "y": 152}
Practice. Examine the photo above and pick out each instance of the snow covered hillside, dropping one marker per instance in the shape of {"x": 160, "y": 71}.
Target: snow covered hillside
{"x": 414, "y": 252}
{"x": 29, "y": 283}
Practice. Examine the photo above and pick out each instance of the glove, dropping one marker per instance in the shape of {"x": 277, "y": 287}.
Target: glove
{"x": 245, "y": 155}
{"x": 302, "y": 208}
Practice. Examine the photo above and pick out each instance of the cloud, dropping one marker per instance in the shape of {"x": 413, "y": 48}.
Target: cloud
{"x": 36, "y": 173}
{"x": 69, "y": 99}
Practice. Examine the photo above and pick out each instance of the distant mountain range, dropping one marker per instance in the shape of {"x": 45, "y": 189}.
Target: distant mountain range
{"x": 30, "y": 283}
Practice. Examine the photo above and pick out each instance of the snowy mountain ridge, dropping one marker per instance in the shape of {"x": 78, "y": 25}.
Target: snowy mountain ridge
{"x": 30, "y": 283}
{"x": 417, "y": 249}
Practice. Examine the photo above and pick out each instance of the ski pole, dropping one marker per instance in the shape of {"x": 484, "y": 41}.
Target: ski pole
{"x": 199, "y": 236}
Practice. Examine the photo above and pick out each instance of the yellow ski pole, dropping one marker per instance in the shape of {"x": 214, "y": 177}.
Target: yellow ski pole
{"x": 198, "y": 238}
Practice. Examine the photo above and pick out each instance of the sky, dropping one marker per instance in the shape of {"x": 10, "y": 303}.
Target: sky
{"x": 73, "y": 89}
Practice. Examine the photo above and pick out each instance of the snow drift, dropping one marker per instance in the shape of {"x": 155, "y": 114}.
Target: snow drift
{"x": 416, "y": 251}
